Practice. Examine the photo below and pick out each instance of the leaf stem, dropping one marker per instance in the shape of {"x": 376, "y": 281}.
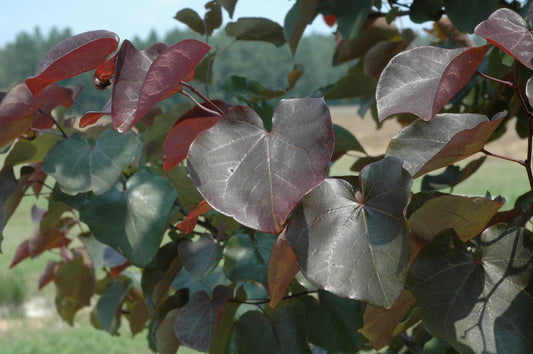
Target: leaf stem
{"x": 503, "y": 82}
{"x": 488, "y": 153}
{"x": 199, "y": 104}
{"x": 64, "y": 134}
{"x": 199, "y": 94}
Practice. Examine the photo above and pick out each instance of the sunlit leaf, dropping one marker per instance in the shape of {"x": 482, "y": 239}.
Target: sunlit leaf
{"x": 423, "y": 79}
{"x": 478, "y": 300}
{"x": 446, "y": 139}
{"x": 256, "y": 176}
{"x": 80, "y": 167}
{"x": 353, "y": 240}
{"x": 132, "y": 219}
{"x": 73, "y": 56}
{"x": 508, "y": 31}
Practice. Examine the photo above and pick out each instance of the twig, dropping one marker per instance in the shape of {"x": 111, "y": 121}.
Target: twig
{"x": 503, "y": 82}
{"x": 488, "y": 153}
{"x": 266, "y": 301}
{"x": 199, "y": 94}
{"x": 64, "y": 134}
{"x": 199, "y": 104}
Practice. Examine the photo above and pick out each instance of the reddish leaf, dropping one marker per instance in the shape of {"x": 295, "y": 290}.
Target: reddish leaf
{"x": 379, "y": 323}
{"x": 105, "y": 72}
{"x": 446, "y": 139}
{"x": 508, "y": 31}
{"x": 188, "y": 224}
{"x": 187, "y": 128}
{"x": 92, "y": 117}
{"x": 282, "y": 267}
{"x": 197, "y": 321}
{"x": 116, "y": 271}
{"x": 139, "y": 312}
{"x": 73, "y": 56}
{"x": 49, "y": 273}
{"x": 151, "y": 76}
{"x": 165, "y": 339}
{"x": 330, "y": 20}
{"x": 37, "y": 178}
{"x": 422, "y": 80}
{"x": 22, "y": 252}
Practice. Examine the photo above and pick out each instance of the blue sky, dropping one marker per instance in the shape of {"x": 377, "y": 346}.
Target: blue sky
{"x": 125, "y": 17}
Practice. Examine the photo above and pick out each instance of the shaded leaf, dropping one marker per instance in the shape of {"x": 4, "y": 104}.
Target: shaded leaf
{"x": 352, "y": 240}
{"x": 377, "y": 58}
{"x": 354, "y": 84}
{"x": 165, "y": 339}
{"x": 508, "y": 31}
{"x": 282, "y": 333}
{"x": 91, "y": 117}
{"x": 110, "y": 303}
{"x": 425, "y": 10}
{"x": 198, "y": 256}
{"x": 350, "y": 15}
{"x": 446, "y": 139}
{"x": 345, "y": 141}
{"x": 282, "y": 268}
{"x": 256, "y": 29}
{"x": 256, "y": 176}
{"x": 197, "y": 321}
{"x": 73, "y": 56}
{"x": 224, "y": 331}
{"x": 207, "y": 283}
{"x": 133, "y": 219}
{"x": 191, "y": 19}
{"x": 246, "y": 257}
{"x": 478, "y": 302}
{"x": 189, "y": 125}
{"x": 332, "y": 322}
{"x": 229, "y": 5}
{"x": 466, "y": 15}
{"x": 430, "y": 75}
{"x": 213, "y": 16}
{"x": 75, "y": 284}
{"x": 379, "y": 323}
{"x": 188, "y": 195}
{"x": 49, "y": 273}
{"x": 299, "y": 16}
{"x": 451, "y": 176}
{"x": 8, "y": 185}
{"x": 79, "y": 167}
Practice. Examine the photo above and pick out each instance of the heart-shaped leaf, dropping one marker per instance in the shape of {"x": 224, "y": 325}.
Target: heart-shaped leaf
{"x": 422, "y": 80}
{"x": 198, "y": 256}
{"x": 465, "y": 15}
{"x": 256, "y": 176}
{"x": 73, "y": 56}
{"x": 133, "y": 219}
{"x": 353, "y": 240}
{"x": 284, "y": 332}
{"x": 191, "y": 19}
{"x": 197, "y": 321}
{"x": 444, "y": 140}
{"x": 256, "y": 29}
{"x": 479, "y": 302}
{"x": 508, "y": 31}
{"x": 79, "y": 167}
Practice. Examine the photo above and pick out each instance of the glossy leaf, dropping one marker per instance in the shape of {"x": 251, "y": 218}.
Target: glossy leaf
{"x": 198, "y": 256}
{"x": 478, "y": 302}
{"x": 246, "y": 257}
{"x": 379, "y": 324}
{"x": 192, "y": 123}
{"x": 299, "y": 16}
{"x": 332, "y": 322}
{"x": 284, "y": 332}
{"x": 352, "y": 240}
{"x": 73, "y": 56}
{"x": 79, "y": 167}
{"x": 75, "y": 284}
{"x": 466, "y": 15}
{"x": 468, "y": 216}
{"x": 446, "y": 139}
{"x": 110, "y": 304}
{"x": 286, "y": 162}
{"x": 508, "y": 31}
{"x": 282, "y": 268}
{"x": 132, "y": 219}
{"x": 423, "y": 79}
{"x": 256, "y": 29}
{"x": 197, "y": 321}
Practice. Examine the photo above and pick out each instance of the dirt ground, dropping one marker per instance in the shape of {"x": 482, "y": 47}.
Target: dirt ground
{"x": 375, "y": 141}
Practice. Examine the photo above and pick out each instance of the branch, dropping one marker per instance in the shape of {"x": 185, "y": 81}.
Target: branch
{"x": 64, "y": 134}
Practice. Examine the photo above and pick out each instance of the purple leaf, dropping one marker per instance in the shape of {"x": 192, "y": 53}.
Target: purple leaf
{"x": 256, "y": 176}
{"x": 422, "y": 80}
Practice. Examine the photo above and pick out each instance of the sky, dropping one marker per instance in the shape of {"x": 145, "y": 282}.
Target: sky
{"x": 127, "y": 18}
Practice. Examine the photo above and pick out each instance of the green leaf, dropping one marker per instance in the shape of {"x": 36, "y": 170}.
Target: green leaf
{"x": 33, "y": 151}
{"x": 109, "y": 305}
{"x": 444, "y": 140}
{"x": 451, "y": 176}
{"x": 478, "y": 300}
{"x": 246, "y": 257}
{"x": 188, "y": 195}
{"x": 186, "y": 281}
{"x": 79, "y": 167}
{"x": 345, "y": 140}
{"x": 332, "y": 322}
{"x": 198, "y": 256}
{"x": 133, "y": 219}
{"x": 256, "y": 29}
{"x": 191, "y": 19}
{"x": 465, "y": 15}
{"x": 8, "y": 185}
{"x": 425, "y": 10}
{"x": 213, "y": 16}
{"x": 299, "y": 16}
{"x": 353, "y": 240}
{"x": 197, "y": 321}
{"x": 229, "y": 5}
{"x": 354, "y": 84}
{"x": 284, "y": 332}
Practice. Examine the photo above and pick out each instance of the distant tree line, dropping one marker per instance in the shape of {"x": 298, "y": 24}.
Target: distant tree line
{"x": 259, "y": 61}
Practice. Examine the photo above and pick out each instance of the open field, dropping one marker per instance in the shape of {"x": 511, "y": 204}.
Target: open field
{"x": 44, "y": 332}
